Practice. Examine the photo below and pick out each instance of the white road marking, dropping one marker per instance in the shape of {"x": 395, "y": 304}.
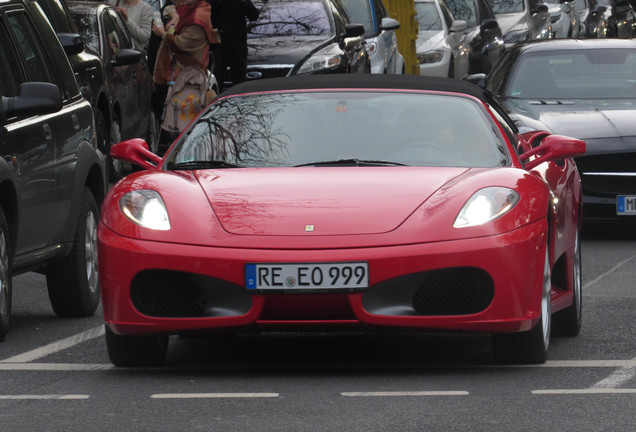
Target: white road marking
{"x": 41, "y": 397}
{"x": 55, "y": 366}
{"x": 617, "y": 378}
{"x": 212, "y": 395}
{"x": 54, "y": 347}
{"x": 612, "y": 270}
{"x": 584, "y": 391}
{"x": 405, "y": 393}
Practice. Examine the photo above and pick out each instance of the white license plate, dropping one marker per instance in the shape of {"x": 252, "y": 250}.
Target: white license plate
{"x": 625, "y": 205}
{"x": 307, "y": 276}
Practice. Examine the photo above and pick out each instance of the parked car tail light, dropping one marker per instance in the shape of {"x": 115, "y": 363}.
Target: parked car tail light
{"x": 430, "y": 57}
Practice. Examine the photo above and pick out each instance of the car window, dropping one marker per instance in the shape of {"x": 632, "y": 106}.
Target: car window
{"x": 9, "y": 65}
{"x": 463, "y": 10}
{"x": 25, "y": 35}
{"x": 288, "y": 129}
{"x": 485, "y": 10}
{"x": 360, "y": 13}
{"x": 507, "y": 6}
{"x": 57, "y": 15}
{"x": 577, "y": 74}
{"x": 427, "y": 16}
{"x": 446, "y": 14}
{"x": 86, "y": 24}
{"x": 300, "y": 18}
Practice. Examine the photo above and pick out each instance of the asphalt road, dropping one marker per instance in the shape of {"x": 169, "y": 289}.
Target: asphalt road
{"x": 55, "y": 374}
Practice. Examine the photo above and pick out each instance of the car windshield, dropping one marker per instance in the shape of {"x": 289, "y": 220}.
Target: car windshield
{"x": 291, "y": 18}
{"x": 579, "y": 74}
{"x": 427, "y": 16}
{"x": 507, "y": 6}
{"x": 360, "y": 12}
{"x": 463, "y": 10}
{"x": 336, "y": 128}
{"x": 580, "y": 5}
{"x": 86, "y": 23}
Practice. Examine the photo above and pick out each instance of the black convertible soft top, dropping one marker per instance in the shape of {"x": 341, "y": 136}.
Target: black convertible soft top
{"x": 357, "y": 81}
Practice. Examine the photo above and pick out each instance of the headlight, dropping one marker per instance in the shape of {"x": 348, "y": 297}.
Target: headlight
{"x": 516, "y": 36}
{"x": 486, "y": 205}
{"x": 328, "y": 58}
{"x": 430, "y": 57}
{"x": 146, "y": 209}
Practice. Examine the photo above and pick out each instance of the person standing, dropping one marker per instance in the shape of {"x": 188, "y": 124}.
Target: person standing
{"x": 230, "y": 18}
{"x": 138, "y": 17}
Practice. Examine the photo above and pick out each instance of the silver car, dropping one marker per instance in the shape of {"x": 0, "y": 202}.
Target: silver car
{"x": 381, "y": 40}
{"x": 564, "y": 19}
{"x": 441, "y": 46}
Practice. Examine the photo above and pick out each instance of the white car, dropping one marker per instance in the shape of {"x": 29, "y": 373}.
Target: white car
{"x": 441, "y": 46}
{"x": 381, "y": 40}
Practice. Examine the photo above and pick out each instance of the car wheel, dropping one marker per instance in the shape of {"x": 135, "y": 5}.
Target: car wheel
{"x": 101, "y": 131}
{"x": 116, "y": 167}
{"x": 136, "y": 351}
{"x": 73, "y": 283}
{"x": 529, "y": 347}
{"x": 5, "y": 277}
{"x": 567, "y": 322}
{"x": 153, "y": 132}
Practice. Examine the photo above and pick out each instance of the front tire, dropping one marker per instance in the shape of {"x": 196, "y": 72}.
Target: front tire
{"x": 529, "y": 347}
{"x": 5, "y": 276}
{"x": 73, "y": 283}
{"x": 136, "y": 351}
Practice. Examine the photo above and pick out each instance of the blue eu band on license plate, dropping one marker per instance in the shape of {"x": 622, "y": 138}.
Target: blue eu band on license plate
{"x": 625, "y": 205}
{"x": 307, "y": 276}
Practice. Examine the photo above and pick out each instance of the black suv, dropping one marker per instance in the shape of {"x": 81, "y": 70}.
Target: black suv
{"x": 52, "y": 175}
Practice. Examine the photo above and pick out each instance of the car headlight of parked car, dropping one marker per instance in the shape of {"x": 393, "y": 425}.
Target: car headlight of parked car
{"x": 326, "y": 58}
{"x": 486, "y": 205}
{"x": 145, "y": 208}
{"x": 516, "y": 36}
{"x": 430, "y": 57}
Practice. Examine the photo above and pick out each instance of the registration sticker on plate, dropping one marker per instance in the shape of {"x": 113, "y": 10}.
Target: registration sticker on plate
{"x": 307, "y": 276}
{"x": 625, "y": 205}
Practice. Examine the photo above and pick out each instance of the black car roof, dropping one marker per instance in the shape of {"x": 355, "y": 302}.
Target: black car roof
{"x": 573, "y": 44}
{"x": 358, "y": 81}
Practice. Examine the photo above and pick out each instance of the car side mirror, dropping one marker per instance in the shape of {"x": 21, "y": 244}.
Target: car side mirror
{"x": 71, "y": 42}
{"x": 553, "y": 148}
{"x": 389, "y": 24}
{"x": 458, "y": 26}
{"x": 135, "y": 151}
{"x": 126, "y": 57}
{"x": 488, "y": 24}
{"x": 479, "y": 79}
{"x": 33, "y": 98}
{"x": 354, "y": 30}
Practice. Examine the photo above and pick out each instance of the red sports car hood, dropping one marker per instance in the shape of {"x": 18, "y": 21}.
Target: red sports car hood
{"x": 324, "y": 201}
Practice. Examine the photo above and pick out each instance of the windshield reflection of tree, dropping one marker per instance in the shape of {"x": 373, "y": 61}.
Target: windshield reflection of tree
{"x": 463, "y": 10}
{"x": 507, "y": 6}
{"x": 87, "y": 28}
{"x": 307, "y": 18}
{"x": 427, "y": 16}
{"x": 243, "y": 130}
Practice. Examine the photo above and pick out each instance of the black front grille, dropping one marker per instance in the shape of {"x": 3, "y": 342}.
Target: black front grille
{"x": 454, "y": 291}
{"x": 608, "y": 174}
{"x": 441, "y": 292}
{"x": 170, "y": 294}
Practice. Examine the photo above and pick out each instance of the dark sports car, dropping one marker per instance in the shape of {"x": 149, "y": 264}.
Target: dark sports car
{"x": 345, "y": 202}
{"x": 293, "y": 37}
{"x": 585, "y": 89}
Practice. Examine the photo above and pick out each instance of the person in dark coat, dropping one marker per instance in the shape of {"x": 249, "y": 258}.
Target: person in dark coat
{"x": 230, "y": 18}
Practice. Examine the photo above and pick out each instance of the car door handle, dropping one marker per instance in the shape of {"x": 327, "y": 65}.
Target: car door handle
{"x": 47, "y": 132}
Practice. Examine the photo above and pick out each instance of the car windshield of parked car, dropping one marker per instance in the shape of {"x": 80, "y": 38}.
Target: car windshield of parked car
{"x": 575, "y": 74}
{"x": 291, "y": 18}
{"x": 507, "y": 6}
{"x": 463, "y": 10}
{"x": 335, "y": 128}
{"x": 427, "y": 16}
{"x": 360, "y": 12}
{"x": 87, "y": 27}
